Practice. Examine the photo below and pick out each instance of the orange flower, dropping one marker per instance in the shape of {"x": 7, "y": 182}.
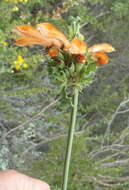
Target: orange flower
{"x": 29, "y": 41}
{"x": 58, "y": 38}
{"x": 53, "y": 52}
{"x": 99, "y": 51}
{"x": 101, "y": 58}
{"x": 77, "y": 47}
{"x": 47, "y": 35}
{"x": 104, "y": 47}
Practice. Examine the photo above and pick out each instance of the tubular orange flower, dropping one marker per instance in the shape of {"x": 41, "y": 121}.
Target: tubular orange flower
{"x": 101, "y": 58}
{"x": 107, "y": 48}
{"x": 47, "y": 35}
{"x": 27, "y": 31}
{"x": 99, "y": 51}
{"x": 48, "y": 30}
{"x": 77, "y": 47}
{"x": 29, "y": 41}
{"x": 53, "y": 52}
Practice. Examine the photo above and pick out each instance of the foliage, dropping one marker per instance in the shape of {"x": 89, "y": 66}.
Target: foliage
{"x": 83, "y": 167}
{"x": 53, "y": 163}
{"x": 73, "y": 74}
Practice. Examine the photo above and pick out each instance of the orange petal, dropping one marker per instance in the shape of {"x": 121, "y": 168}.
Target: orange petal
{"x": 48, "y": 30}
{"x": 47, "y": 33}
{"x": 27, "y": 31}
{"x": 77, "y": 47}
{"x": 26, "y": 41}
{"x": 101, "y": 58}
{"x": 107, "y": 48}
{"x": 53, "y": 52}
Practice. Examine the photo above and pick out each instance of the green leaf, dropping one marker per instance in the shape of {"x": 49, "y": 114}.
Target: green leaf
{"x": 90, "y": 68}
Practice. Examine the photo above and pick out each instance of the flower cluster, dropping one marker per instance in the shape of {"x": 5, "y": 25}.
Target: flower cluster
{"x": 75, "y": 61}
{"x": 19, "y": 64}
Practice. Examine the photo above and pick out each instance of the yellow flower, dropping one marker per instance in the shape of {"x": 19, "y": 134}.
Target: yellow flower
{"x": 19, "y": 63}
{"x": 17, "y": 67}
{"x": 4, "y": 43}
{"x": 20, "y": 59}
{"x": 25, "y": 66}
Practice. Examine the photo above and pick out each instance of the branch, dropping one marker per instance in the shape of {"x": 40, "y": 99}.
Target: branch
{"x": 112, "y": 156}
{"x": 123, "y": 135}
{"x": 113, "y": 148}
{"x": 125, "y": 111}
{"x": 108, "y": 181}
{"x": 107, "y": 133}
{"x": 114, "y": 179}
{"x": 28, "y": 121}
{"x": 94, "y": 179}
{"x": 116, "y": 163}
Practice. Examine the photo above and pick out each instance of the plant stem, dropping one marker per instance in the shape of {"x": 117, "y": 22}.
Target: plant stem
{"x": 70, "y": 139}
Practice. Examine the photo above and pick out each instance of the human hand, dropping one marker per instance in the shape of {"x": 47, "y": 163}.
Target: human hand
{"x": 13, "y": 180}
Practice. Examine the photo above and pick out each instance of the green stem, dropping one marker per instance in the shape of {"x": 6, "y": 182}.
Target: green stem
{"x": 70, "y": 139}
